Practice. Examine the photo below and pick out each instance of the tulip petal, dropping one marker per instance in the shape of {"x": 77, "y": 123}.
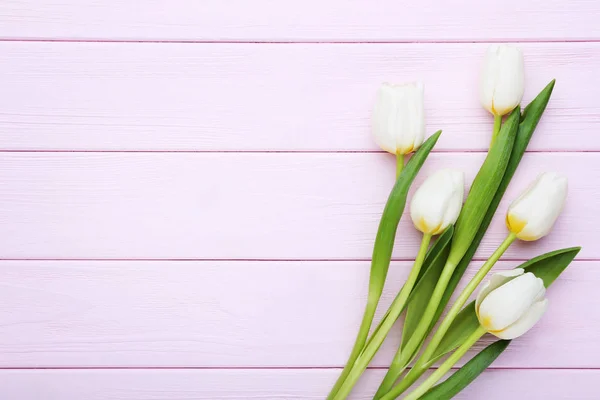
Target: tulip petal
{"x": 525, "y": 323}
{"x": 532, "y": 215}
{"x": 437, "y": 202}
{"x": 488, "y": 83}
{"x": 455, "y": 202}
{"x": 510, "y": 78}
{"x": 383, "y": 113}
{"x": 399, "y": 117}
{"x": 502, "y": 79}
{"x": 497, "y": 280}
{"x": 505, "y": 305}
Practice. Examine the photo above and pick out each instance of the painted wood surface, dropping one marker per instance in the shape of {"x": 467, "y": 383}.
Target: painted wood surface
{"x": 311, "y": 384}
{"x": 189, "y": 191}
{"x": 246, "y": 206}
{"x": 272, "y": 20}
{"x": 221, "y": 314}
{"x": 271, "y": 97}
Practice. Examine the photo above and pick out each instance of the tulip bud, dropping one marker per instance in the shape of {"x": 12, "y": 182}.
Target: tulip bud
{"x": 532, "y": 215}
{"x": 399, "y": 118}
{"x": 511, "y": 303}
{"x": 502, "y": 80}
{"x": 437, "y": 202}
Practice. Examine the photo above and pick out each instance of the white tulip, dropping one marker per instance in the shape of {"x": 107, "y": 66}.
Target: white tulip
{"x": 511, "y": 303}
{"x": 532, "y": 215}
{"x": 437, "y": 202}
{"x": 399, "y": 117}
{"x": 502, "y": 79}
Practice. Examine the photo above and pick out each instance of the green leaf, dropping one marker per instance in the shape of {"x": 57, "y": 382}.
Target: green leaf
{"x": 467, "y": 374}
{"x": 419, "y": 296}
{"x": 435, "y": 252}
{"x": 484, "y": 188}
{"x": 382, "y": 250}
{"x": 480, "y": 215}
{"x": 430, "y": 273}
{"x": 529, "y": 120}
{"x": 548, "y": 267}
{"x": 464, "y": 325}
{"x": 386, "y": 233}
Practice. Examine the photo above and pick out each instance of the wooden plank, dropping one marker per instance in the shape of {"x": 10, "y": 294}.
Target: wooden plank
{"x": 267, "y": 20}
{"x": 246, "y": 206}
{"x": 242, "y": 314}
{"x": 271, "y": 384}
{"x": 270, "y": 97}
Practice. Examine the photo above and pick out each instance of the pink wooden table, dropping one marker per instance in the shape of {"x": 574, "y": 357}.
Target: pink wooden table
{"x": 189, "y": 191}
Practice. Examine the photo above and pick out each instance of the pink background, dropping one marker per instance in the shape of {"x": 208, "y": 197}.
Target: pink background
{"x": 189, "y": 191}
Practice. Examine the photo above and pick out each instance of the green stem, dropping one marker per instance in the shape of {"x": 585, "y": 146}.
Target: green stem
{"x": 396, "y": 369}
{"x": 399, "y": 164}
{"x": 378, "y": 327}
{"x": 359, "y": 344}
{"x": 404, "y": 357}
{"x": 463, "y": 297}
{"x": 399, "y": 168}
{"x": 414, "y": 374}
{"x": 383, "y": 247}
{"x": 384, "y": 328}
{"x": 423, "y": 362}
{"x": 497, "y": 125}
{"x": 446, "y": 365}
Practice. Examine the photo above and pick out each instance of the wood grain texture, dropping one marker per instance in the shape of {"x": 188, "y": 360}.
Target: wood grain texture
{"x": 242, "y": 314}
{"x": 269, "y": 20}
{"x": 247, "y": 206}
{"x": 271, "y": 385}
{"x": 259, "y": 80}
{"x": 270, "y": 97}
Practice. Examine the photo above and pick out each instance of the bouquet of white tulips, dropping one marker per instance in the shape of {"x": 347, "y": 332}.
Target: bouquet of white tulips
{"x": 511, "y": 302}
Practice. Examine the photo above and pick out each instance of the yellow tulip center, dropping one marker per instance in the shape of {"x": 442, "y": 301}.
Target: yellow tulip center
{"x": 407, "y": 150}
{"x": 486, "y": 322}
{"x": 423, "y": 226}
{"x": 514, "y": 224}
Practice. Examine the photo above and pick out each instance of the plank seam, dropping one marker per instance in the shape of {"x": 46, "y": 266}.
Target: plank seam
{"x": 301, "y": 42}
{"x": 266, "y": 368}
{"x": 447, "y": 151}
{"x": 252, "y": 259}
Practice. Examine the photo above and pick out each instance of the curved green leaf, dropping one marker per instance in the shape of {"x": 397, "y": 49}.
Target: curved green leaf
{"x": 431, "y": 270}
{"x": 430, "y": 274}
{"x": 435, "y": 253}
{"x": 467, "y": 374}
{"x": 550, "y": 265}
{"x": 529, "y": 121}
{"x": 547, "y": 266}
{"x": 466, "y": 321}
{"x": 386, "y": 233}
{"x": 382, "y": 250}
{"x": 419, "y": 296}
{"x": 464, "y": 325}
{"x": 484, "y": 188}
